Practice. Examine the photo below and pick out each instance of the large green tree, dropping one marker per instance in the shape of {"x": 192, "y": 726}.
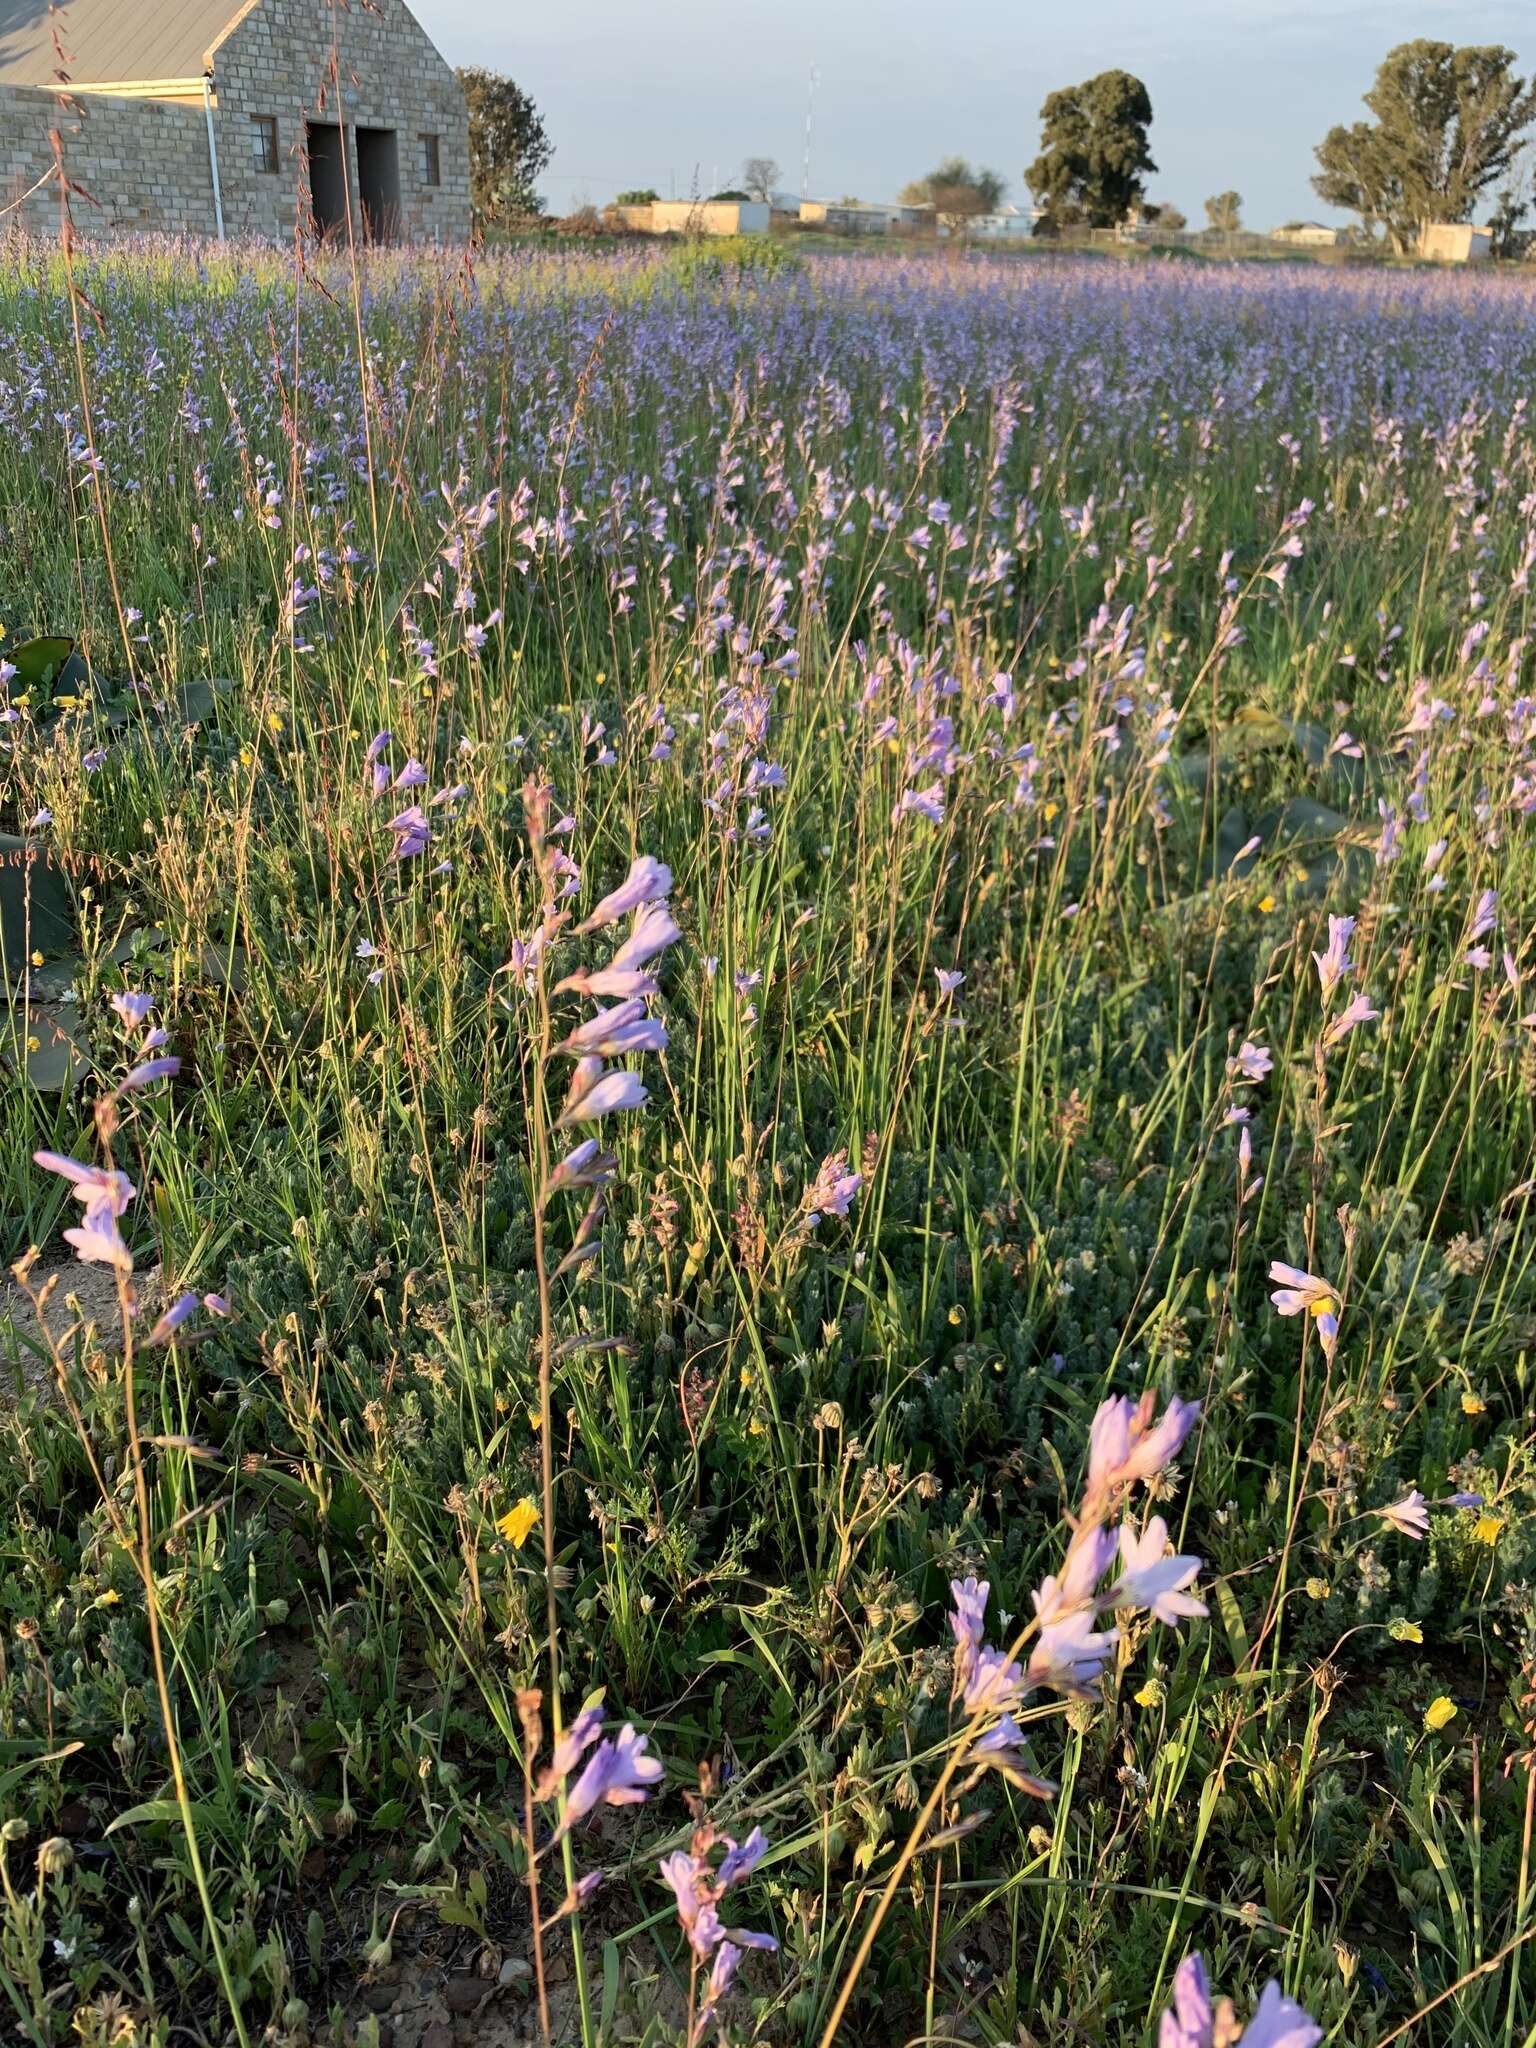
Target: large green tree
{"x": 1448, "y": 124}
{"x": 1094, "y": 156}
{"x": 956, "y": 192}
{"x": 507, "y": 147}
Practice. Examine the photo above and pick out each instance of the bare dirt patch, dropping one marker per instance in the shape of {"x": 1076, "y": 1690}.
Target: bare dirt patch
{"x": 80, "y": 1313}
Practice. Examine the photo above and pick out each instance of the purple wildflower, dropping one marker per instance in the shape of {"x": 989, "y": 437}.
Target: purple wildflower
{"x": 1335, "y": 963}
{"x": 411, "y": 832}
{"x": 1358, "y": 1010}
{"x": 1154, "y": 1580}
{"x": 179, "y": 1311}
{"x": 132, "y": 1006}
{"x": 967, "y": 1620}
{"x": 834, "y": 1187}
{"x": 1250, "y": 1062}
{"x": 152, "y": 1070}
{"x": 1409, "y": 1516}
{"x": 602, "y": 1093}
{"x": 949, "y": 980}
{"x": 648, "y": 881}
{"x": 619, "y": 1773}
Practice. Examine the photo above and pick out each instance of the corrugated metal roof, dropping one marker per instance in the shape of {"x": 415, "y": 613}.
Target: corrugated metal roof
{"x": 110, "y": 41}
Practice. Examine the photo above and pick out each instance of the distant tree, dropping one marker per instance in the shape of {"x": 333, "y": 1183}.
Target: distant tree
{"x": 731, "y": 192}
{"x": 760, "y": 175}
{"x": 1171, "y": 217}
{"x": 1448, "y": 124}
{"x": 507, "y": 147}
{"x": 1224, "y": 212}
{"x": 642, "y": 195}
{"x": 1094, "y": 151}
{"x": 956, "y": 192}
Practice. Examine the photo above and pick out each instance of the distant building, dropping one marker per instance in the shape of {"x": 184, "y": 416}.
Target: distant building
{"x": 215, "y": 117}
{"x": 862, "y": 216}
{"x": 1454, "y": 241}
{"x": 1005, "y": 222}
{"x": 698, "y": 217}
{"x": 1309, "y": 234}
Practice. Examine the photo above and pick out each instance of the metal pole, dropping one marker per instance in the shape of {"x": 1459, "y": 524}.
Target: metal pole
{"x": 213, "y": 157}
{"x": 810, "y": 109}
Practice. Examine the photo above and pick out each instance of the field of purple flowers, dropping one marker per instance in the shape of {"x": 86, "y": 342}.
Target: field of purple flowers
{"x": 768, "y": 1066}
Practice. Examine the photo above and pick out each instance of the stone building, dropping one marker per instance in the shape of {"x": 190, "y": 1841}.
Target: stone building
{"x": 232, "y": 117}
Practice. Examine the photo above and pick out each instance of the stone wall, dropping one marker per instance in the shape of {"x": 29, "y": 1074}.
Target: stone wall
{"x": 145, "y": 163}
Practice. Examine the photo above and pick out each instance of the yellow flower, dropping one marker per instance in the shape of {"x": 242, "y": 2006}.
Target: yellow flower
{"x": 757, "y": 1426}
{"x": 1266, "y": 904}
{"x": 1439, "y": 1712}
{"x": 516, "y": 1524}
{"x": 274, "y": 722}
{"x": 535, "y": 1419}
{"x": 1473, "y": 1404}
{"x": 1324, "y": 1305}
{"x": 1151, "y": 1694}
{"x": 956, "y": 1313}
{"x": 1318, "y": 1589}
{"x": 1487, "y": 1529}
{"x": 1406, "y": 1632}
{"x": 108, "y": 1599}
{"x": 37, "y": 958}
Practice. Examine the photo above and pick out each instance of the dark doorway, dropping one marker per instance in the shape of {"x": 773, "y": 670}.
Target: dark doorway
{"x": 327, "y": 179}
{"x": 378, "y": 182}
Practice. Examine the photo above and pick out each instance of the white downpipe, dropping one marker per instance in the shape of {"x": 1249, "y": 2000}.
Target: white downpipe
{"x": 213, "y": 158}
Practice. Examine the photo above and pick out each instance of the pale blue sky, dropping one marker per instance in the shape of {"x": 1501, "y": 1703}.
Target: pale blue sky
{"x": 663, "y": 92}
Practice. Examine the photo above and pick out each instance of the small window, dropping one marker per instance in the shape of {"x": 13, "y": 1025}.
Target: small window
{"x": 264, "y": 143}
{"x": 431, "y": 161}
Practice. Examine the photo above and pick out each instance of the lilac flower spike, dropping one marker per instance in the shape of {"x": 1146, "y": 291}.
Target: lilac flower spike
{"x": 616, "y": 1089}
{"x": 98, "y": 1241}
{"x": 153, "y": 1070}
{"x": 92, "y": 1185}
{"x": 618, "y": 1774}
{"x": 1069, "y": 1655}
{"x": 1250, "y": 1062}
{"x": 967, "y": 1620}
{"x": 1191, "y": 2021}
{"x": 1409, "y": 1516}
{"x": 648, "y": 881}
{"x": 1154, "y": 1580}
{"x": 1194, "y": 2021}
{"x": 1358, "y": 1011}
{"x": 132, "y": 1007}
{"x": 834, "y": 1187}
{"x": 1335, "y": 963}
{"x": 613, "y": 1033}
{"x": 1124, "y": 1445}
{"x": 179, "y": 1311}
{"x": 411, "y": 832}
{"x": 1280, "y": 2023}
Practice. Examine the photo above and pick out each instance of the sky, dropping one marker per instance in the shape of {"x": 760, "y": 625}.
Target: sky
{"x": 675, "y": 93}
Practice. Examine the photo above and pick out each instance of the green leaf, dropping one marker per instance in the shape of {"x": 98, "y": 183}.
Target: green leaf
{"x": 35, "y": 911}
{"x": 38, "y": 662}
{"x": 192, "y": 702}
{"x": 155, "y": 1811}
{"x": 390, "y": 1815}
